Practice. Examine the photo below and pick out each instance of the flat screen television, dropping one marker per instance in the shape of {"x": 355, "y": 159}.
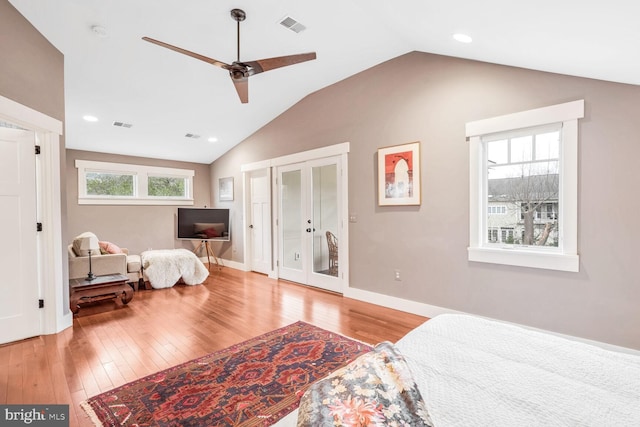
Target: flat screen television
{"x": 203, "y": 224}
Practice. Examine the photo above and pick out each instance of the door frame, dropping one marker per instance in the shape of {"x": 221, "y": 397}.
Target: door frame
{"x": 56, "y": 315}
{"x": 306, "y": 273}
{"x": 341, "y": 150}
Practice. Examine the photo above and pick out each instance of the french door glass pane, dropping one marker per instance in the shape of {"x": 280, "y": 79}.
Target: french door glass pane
{"x": 292, "y": 219}
{"x": 325, "y": 219}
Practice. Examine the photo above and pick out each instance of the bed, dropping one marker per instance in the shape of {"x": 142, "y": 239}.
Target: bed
{"x": 471, "y": 371}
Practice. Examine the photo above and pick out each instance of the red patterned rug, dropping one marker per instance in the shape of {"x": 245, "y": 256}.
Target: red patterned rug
{"x": 254, "y": 383}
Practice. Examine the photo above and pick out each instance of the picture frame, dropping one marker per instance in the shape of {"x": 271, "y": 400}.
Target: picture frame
{"x": 399, "y": 182}
{"x": 225, "y": 189}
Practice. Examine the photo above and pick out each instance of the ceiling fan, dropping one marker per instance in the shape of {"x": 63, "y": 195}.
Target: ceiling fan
{"x": 240, "y": 71}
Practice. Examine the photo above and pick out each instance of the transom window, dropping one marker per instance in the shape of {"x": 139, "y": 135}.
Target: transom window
{"x": 119, "y": 183}
{"x": 523, "y": 188}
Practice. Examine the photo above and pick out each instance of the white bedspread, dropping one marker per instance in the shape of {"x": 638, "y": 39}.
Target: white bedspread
{"x": 476, "y": 372}
{"x": 165, "y": 267}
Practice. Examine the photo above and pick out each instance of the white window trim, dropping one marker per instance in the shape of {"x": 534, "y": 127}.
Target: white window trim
{"x": 566, "y": 258}
{"x": 140, "y": 191}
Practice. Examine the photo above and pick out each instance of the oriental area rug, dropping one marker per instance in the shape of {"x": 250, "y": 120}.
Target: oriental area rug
{"x": 254, "y": 383}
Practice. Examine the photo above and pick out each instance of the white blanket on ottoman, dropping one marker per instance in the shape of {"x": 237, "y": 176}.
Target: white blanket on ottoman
{"x": 165, "y": 267}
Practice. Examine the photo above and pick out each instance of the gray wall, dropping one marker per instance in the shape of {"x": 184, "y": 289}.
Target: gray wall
{"x": 429, "y": 98}
{"x": 136, "y": 228}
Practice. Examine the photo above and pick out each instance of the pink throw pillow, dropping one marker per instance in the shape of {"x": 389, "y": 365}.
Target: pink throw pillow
{"x": 109, "y": 248}
{"x": 211, "y": 232}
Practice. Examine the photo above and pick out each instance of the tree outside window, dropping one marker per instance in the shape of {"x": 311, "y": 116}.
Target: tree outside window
{"x": 109, "y": 184}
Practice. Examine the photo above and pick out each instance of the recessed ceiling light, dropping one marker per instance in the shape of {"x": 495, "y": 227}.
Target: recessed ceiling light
{"x": 462, "y": 38}
{"x": 89, "y": 118}
{"x": 213, "y": 139}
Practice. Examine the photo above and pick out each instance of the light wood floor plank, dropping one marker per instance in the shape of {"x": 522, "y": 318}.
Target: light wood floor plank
{"x": 111, "y": 344}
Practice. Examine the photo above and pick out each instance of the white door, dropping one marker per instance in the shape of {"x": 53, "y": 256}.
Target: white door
{"x": 19, "y": 312}
{"x": 260, "y": 220}
{"x": 309, "y": 212}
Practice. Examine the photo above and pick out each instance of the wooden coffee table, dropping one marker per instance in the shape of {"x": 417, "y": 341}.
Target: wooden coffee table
{"x": 102, "y": 287}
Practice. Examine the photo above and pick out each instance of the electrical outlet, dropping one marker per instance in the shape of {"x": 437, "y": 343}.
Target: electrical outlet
{"x": 397, "y": 275}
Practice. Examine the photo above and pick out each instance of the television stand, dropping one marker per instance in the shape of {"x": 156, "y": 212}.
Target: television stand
{"x": 210, "y": 254}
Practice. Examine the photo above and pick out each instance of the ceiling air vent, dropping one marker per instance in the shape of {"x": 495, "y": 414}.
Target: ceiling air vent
{"x": 122, "y": 124}
{"x": 292, "y": 24}
{"x": 192, "y": 135}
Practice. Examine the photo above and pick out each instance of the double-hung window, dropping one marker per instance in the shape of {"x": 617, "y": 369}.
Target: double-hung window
{"x": 119, "y": 183}
{"x": 524, "y": 166}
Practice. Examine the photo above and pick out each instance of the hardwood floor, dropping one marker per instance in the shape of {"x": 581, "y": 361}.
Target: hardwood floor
{"x": 111, "y": 344}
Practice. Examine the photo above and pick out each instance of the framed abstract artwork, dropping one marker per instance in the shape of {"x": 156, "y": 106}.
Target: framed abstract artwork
{"x": 225, "y": 189}
{"x": 399, "y": 175}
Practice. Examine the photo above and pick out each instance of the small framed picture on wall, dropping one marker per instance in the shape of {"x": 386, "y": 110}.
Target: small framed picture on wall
{"x": 225, "y": 189}
{"x": 399, "y": 175}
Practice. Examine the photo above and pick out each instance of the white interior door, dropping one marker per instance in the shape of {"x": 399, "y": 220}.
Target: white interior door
{"x": 19, "y": 312}
{"x": 260, "y": 220}
{"x": 309, "y": 207}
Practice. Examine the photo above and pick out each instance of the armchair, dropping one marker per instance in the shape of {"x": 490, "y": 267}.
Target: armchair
{"x": 102, "y": 264}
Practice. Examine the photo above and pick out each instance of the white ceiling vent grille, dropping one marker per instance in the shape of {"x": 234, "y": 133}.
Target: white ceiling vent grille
{"x": 122, "y": 124}
{"x": 292, "y": 24}
{"x": 192, "y": 136}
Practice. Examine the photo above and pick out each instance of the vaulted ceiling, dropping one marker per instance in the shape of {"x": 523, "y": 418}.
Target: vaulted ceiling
{"x": 115, "y": 76}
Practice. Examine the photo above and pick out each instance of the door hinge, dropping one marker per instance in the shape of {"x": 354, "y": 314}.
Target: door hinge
{"x": 37, "y": 149}
{"x": 39, "y": 226}
{"x": 40, "y": 303}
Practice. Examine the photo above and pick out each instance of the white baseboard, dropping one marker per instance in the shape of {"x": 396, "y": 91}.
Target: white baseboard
{"x": 409, "y": 306}
{"x": 430, "y": 311}
{"x": 226, "y": 263}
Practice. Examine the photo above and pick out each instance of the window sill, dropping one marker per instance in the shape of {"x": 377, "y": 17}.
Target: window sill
{"x": 533, "y": 259}
{"x": 135, "y": 201}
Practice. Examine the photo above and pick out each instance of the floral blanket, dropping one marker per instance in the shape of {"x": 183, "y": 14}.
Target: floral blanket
{"x": 376, "y": 389}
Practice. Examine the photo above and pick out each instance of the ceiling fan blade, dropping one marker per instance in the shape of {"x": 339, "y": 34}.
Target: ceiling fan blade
{"x": 188, "y": 53}
{"x": 242, "y": 87}
{"x": 262, "y": 65}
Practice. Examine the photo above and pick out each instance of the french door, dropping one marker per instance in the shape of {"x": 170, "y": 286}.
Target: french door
{"x": 309, "y": 223}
